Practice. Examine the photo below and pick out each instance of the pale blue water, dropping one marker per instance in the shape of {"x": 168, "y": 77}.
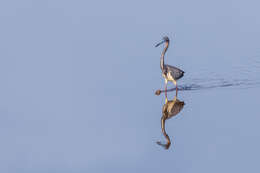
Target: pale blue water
{"x": 78, "y": 83}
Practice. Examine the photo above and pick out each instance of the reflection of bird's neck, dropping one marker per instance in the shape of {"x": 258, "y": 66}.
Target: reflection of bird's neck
{"x": 163, "y": 53}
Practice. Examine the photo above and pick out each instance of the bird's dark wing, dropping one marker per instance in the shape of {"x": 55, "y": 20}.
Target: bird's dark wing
{"x": 175, "y": 72}
{"x": 174, "y": 68}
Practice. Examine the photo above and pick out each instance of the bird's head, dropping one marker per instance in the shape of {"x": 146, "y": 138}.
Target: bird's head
{"x": 165, "y": 39}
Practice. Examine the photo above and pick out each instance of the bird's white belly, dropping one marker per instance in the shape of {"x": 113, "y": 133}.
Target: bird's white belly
{"x": 168, "y": 77}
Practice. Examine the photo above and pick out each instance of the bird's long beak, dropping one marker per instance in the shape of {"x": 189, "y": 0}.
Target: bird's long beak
{"x": 159, "y": 43}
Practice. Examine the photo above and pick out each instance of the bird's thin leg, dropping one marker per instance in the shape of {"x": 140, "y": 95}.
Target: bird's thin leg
{"x": 176, "y": 89}
{"x": 166, "y": 88}
{"x": 166, "y": 100}
{"x": 175, "y": 83}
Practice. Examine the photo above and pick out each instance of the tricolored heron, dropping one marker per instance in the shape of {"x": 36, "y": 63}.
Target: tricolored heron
{"x": 170, "y": 73}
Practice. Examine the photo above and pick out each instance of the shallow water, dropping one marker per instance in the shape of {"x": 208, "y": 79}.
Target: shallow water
{"x": 79, "y": 82}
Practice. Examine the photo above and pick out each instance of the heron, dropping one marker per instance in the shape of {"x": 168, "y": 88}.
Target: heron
{"x": 170, "y": 73}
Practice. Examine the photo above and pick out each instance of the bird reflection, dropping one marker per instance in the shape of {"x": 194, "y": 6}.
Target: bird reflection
{"x": 170, "y": 109}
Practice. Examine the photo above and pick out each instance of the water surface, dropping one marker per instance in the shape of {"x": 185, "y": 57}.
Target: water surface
{"x": 79, "y": 81}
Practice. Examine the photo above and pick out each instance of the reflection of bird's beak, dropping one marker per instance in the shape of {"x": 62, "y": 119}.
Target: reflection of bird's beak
{"x": 159, "y": 43}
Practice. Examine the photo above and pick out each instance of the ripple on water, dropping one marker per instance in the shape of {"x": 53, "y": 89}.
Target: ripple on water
{"x": 244, "y": 75}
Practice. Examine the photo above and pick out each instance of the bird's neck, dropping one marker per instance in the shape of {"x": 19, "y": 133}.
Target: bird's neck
{"x": 162, "y": 56}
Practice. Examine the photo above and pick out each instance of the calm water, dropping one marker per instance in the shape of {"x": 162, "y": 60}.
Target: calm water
{"x": 79, "y": 81}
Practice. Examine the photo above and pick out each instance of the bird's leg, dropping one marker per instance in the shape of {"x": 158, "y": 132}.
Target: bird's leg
{"x": 166, "y": 100}
{"x": 176, "y": 89}
{"x": 175, "y": 98}
{"x": 175, "y": 83}
{"x": 166, "y": 88}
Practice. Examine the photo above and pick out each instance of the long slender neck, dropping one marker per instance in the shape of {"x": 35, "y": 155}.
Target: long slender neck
{"x": 163, "y": 53}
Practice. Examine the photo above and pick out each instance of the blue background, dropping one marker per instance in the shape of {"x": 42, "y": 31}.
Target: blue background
{"x": 78, "y": 81}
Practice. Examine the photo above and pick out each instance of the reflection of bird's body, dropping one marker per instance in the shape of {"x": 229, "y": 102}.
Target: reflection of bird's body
{"x": 172, "y": 108}
{"x": 170, "y": 73}
{"x": 169, "y": 110}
